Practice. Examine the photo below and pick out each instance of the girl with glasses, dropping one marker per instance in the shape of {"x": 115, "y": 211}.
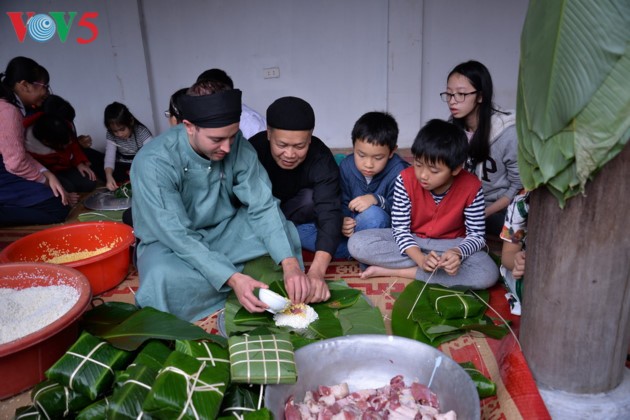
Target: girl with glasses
{"x": 492, "y": 138}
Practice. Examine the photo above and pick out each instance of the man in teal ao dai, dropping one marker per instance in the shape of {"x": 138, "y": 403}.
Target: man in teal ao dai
{"x": 202, "y": 208}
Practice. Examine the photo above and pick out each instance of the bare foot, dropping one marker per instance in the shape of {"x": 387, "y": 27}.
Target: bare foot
{"x": 375, "y": 271}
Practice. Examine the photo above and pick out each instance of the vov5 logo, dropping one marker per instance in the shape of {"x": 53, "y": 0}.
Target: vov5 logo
{"x": 42, "y": 27}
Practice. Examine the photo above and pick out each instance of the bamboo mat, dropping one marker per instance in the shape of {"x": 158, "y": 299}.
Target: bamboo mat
{"x": 501, "y": 360}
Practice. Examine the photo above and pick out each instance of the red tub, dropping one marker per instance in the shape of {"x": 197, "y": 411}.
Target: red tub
{"x": 24, "y": 361}
{"x": 104, "y": 271}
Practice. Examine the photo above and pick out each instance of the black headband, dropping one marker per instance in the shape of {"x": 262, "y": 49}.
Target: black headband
{"x": 212, "y": 111}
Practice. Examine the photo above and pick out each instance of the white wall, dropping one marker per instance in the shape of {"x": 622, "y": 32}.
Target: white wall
{"x": 484, "y": 30}
{"x": 344, "y": 57}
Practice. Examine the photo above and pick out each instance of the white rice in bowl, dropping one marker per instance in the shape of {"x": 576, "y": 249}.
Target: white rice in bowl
{"x": 24, "y": 311}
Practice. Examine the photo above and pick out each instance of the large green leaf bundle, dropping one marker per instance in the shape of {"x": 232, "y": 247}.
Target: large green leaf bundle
{"x": 414, "y": 316}
{"x": 573, "y": 103}
{"x": 346, "y": 312}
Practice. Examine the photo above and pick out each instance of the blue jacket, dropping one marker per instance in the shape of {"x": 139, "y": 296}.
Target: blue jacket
{"x": 353, "y": 183}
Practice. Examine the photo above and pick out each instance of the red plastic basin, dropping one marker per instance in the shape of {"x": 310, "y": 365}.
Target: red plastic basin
{"x": 24, "y": 361}
{"x": 104, "y": 271}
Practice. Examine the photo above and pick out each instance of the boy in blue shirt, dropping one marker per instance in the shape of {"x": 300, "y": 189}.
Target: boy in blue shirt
{"x": 369, "y": 174}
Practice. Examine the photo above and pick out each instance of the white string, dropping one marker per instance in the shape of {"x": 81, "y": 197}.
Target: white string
{"x": 85, "y": 359}
{"x": 502, "y": 319}
{"x": 421, "y": 291}
{"x": 191, "y": 388}
{"x": 133, "y": 381}
{"x": 210, "y": 357}
{"x": 260, "y": 397}
{"x": 458, "y": 295}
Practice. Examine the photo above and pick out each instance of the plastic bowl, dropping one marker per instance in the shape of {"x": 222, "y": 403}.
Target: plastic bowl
{"x": 24, "y": 361}
{"x": 104, "y": 271}
{"x": 371, "y": 361}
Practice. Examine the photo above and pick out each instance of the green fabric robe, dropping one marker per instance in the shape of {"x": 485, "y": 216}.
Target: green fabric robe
{"x": 199, "y": 221}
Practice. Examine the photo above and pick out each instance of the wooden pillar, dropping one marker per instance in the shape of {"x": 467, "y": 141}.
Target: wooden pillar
{"x": 575, "y": 326}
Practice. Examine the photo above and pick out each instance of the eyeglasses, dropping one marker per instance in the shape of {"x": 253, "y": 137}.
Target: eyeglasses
{"x": 167, "y": 114}
{"x": 45, "y": 85}
{"x": 459, "y": 96}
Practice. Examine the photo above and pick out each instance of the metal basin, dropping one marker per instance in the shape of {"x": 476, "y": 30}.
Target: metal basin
{"x": 370, "y": 361}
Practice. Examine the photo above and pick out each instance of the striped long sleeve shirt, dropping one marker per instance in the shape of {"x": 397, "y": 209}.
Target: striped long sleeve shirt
{"x": 474, "y": 220}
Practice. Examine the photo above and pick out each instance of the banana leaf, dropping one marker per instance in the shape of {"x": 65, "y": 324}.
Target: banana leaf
{"x": 414, "y": 316}
{"x": 252, "y": 319}
{"x": 403, "y": 323}
{"x": 360, "y": 318}
{"x": 339, "y": 298}
{"x": 326, "y": 326}
{"x": 95, "y": 411}
{"x": 215, "y": 356}
{"x": 144, "y": 324}
{"x": 53, "y": 400}
{"x": 27, "y": 412}
{"x": 126, "y": 401}
{"x": 186, "y": 389}
{"x": 88, "y": 366}
{"x": 435, "y": 328}
{"x": 262, "y": 414}
{"x": 453, "y": 304}
{"x": 240, "y": 399}
{"x": 153, "y": 355}
{"x": 103, "y": 317}
{"x": 573, "y": 110}
{"x": 485, "y": 387}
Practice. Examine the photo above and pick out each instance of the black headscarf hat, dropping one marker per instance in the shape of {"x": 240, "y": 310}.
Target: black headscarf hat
{"x": 216, "y": 110}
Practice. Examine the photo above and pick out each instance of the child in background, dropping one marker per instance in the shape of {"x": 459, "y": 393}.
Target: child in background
{"x": 437, "y": 218}
{"x": 56, "y": 105}
{"x": 369, "y": 173}
{"x": 125, "y": 137}
{"x": 513, "y": 234}
{"x": 52, "y": 142}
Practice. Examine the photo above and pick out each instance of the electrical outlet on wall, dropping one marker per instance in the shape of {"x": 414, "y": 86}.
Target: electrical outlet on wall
{"x": 271, "y": 72}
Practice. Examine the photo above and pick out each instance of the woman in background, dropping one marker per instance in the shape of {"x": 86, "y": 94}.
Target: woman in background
{"x": 29, "y": 193}
{"x": 491, "y": 135}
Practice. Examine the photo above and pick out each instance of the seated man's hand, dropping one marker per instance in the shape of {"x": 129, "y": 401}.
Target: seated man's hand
{"x": 244, "y": 285}
{"x": 450, "y": 261}
{"x": 347, "y": 229}
{"x": 519, "y": 265}
{"x": 319, "y": 290}
{"x": 362, "y": 203}
{"x": 317, "y": 271}
{"x": 295, "y": 281}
